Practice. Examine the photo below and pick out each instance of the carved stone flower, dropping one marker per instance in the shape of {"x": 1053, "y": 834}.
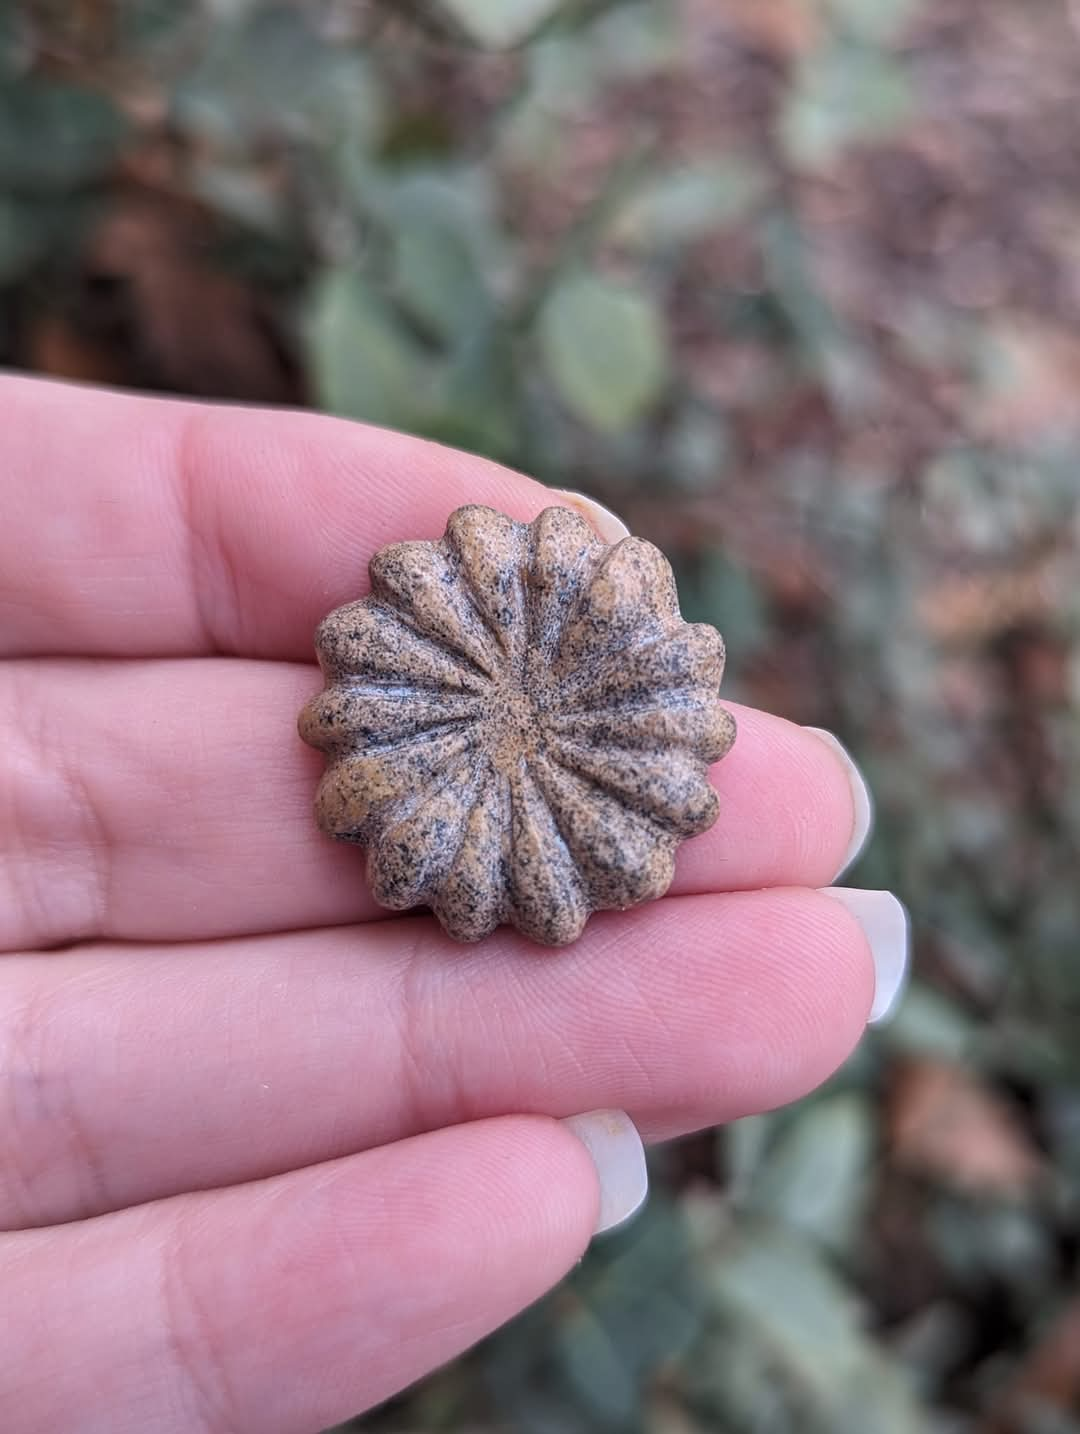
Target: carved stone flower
{"x": 518, "y": 724}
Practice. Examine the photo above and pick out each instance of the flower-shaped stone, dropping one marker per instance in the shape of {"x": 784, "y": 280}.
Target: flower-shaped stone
{"x": 518, "y": 724}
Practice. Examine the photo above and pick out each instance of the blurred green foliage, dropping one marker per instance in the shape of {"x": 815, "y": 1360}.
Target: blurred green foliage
{"x": 794, "y": 285}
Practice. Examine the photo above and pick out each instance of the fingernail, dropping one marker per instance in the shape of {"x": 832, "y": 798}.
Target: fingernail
{"x": 602, "y": 520}
{"x": 612, "y": 1141}
{"x": 885, "y": 924}
{"x": 860, "y": 796}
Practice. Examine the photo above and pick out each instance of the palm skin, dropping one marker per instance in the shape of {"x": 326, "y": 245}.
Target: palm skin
{"x": 270, "y": 1155}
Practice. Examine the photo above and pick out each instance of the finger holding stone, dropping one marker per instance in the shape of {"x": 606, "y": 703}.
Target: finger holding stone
{"x": 187, "y": 779}
{"x": 134, "y": 1073}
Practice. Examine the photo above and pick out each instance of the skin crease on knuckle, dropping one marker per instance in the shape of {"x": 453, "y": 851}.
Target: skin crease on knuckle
{"x": 54, "y": 876}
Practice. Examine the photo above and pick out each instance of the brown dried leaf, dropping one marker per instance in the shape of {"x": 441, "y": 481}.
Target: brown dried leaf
{"x": 189, "y": 327}
{"x": 1037, "y": 383}
{"x": 56, "y": 348}
{"x": 943, "y": 1123}
{"x": 785, "y": 28}
{"x": 973, "y": 607}
{"x": 1049, "y": 1376}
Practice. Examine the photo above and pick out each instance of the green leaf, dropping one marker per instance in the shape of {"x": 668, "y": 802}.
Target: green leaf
{"x": 53, "y": 138}
{"x": 605, "y": 350}
{"x": 642, "y": 1286}
{"x": 582, "y": 1359}
{"x": 777, "y": 1284}
{"x": 697, "y": 451}
{"x": 272, "y": 74}
{"x": 497, "y": 24}
{"x": 435, "y": 277}
{"x": 242, "y": 193}
{"x": 928, "y": 1023}
{"x": 845, "y": 370}
{"x": 815, "y": 1178}
{"x": 363, "y": 364}
{"x": 779, "y": 1288}
{"x": 714, "y": 588}
{"x": 151, "y": 24}
{"x": 18, "y": 242}
{"x": 635, "y": 41}
{"x": 744, "y": 1144}
{"x": 476, "y": 404}
{"x": 601, "y": 1377}
{"x": 28, "y": 229}
{"x": 446, "y": 247}
{"x": 875, "y": 21}
{"x": 843, "y": 95}
{"x": 689, "y": 203}
{"x": 14, "y": 41}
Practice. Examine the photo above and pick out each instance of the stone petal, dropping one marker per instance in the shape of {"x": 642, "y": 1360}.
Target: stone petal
{"x": 564, "y": 551}
{"x": 490, "y": 549}
{"x": 368, "y": 639}
{"x": 622, "y": 857}
{"x": 470, "y": 901}
{"x": 421, "y": 581}
{"x": 690, "y": 656}
{"x": 630, "y": 595}
{"x": 546, "y": 899}
{"x": 699, "y": 724}
{"x": 361, "y": 792}
{"x": 410, "y": 856}
{"x": 670, "y": 788}
{"x": 361, "y": 715}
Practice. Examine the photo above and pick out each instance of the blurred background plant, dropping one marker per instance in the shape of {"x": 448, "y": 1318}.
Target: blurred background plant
{"x": 794, "y": 285}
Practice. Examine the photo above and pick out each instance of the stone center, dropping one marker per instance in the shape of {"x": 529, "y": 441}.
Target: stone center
{"x": 515, "y": 726}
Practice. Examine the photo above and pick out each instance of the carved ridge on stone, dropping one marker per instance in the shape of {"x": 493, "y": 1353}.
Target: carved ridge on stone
{"x": 518, "y": 724}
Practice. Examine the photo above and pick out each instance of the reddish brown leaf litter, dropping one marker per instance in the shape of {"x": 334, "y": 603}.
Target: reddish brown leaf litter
{"x": 518, "y": 724}
{"x": 946, "y": 1124}
{"x": 1048, "y": 1381}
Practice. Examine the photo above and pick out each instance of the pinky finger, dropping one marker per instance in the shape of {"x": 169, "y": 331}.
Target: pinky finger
{"x": 290, "y": 1304}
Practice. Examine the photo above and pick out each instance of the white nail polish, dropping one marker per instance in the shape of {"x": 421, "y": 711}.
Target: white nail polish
{"x": 612, "y": 1141}
{"x": 603, "y": 521}
{"x": 885, "y": 924}
{"x": 860, "y": 796}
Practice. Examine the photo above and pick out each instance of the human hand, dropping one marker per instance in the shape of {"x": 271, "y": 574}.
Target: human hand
{"x": 269, "y": 1155}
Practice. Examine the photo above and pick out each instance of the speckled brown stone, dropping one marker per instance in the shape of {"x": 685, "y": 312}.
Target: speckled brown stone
{"x": 518, "y": 724}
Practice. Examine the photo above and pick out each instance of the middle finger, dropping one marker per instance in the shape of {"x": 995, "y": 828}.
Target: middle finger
{"x": 186, "y": 780}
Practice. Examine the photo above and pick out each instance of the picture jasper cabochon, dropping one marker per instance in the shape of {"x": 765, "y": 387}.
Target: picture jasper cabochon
{"x": 518, "y": 724}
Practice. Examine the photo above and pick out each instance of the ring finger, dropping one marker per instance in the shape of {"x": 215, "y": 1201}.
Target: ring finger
{"x": 685, "y": 1013}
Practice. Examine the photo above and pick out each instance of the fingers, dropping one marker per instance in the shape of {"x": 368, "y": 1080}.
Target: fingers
{"x": 187, "y": 780}
{"x": 131, "y": 1074}
{"x": 290, "y": 1305}
{"x": 176, "y": 528}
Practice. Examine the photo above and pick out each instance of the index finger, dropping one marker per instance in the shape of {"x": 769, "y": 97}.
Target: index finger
{"x": 140, "y": 526}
